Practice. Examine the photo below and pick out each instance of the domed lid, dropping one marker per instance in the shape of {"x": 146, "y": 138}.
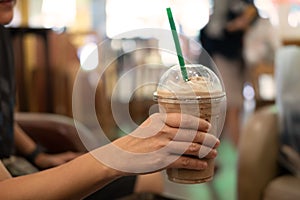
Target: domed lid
{"x": 203, "y": 83}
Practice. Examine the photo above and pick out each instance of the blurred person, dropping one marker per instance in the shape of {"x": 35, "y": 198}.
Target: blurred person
{"x": 222, "y": 38}
{"x": 76, "y": 177}
{"x": 11, "y": 134}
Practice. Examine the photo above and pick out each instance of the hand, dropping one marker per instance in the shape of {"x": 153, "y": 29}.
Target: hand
{"x": 162, "y": 141}
{"x": 44, "y": 160}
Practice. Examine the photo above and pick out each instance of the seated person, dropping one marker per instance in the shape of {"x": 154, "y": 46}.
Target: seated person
{"x": 77, "y": 177}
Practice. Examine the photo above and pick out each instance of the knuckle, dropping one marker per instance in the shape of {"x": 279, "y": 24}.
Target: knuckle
{"x": 186, "y": 162}
{"x": 166, "y": 130}
{"x": 193, "y": 147}
{"x": 204, "y": 151}
{"x": 186, "y": 121}
{"x": 200, "y": 136}
{"x": 160, "y": 144}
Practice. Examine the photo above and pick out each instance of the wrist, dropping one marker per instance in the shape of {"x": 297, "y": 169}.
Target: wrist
{"x": 102, "y": 168}
{"x": 31, "y": 157}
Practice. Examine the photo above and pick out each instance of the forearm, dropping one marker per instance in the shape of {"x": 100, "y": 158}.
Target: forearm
{"x": 73, "y": 180}
{"x": 24, "y": 144}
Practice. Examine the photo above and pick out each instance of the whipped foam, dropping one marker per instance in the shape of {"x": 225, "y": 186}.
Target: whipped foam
{"x": 196, "y": 87}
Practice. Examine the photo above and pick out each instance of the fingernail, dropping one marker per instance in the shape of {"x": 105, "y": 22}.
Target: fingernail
{"x": 217, "y": 143}
{"x": 209, "y": 127}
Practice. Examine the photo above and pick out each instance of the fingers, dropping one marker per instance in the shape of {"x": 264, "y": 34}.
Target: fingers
{"x": 192, "y": 149}
{"x": 177, "y": 120}
{"x": 67, "y": 156}
{"x": 188, "y": 163}
{"x": 187, "y": 135}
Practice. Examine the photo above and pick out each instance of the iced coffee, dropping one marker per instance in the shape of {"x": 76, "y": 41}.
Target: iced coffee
{"x": 202, "y": 96}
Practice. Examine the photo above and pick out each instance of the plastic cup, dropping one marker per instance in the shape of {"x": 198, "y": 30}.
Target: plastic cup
{"x": 202, "y": 96}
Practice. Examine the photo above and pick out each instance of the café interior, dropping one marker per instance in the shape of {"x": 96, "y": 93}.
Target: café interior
{"x": 104, "y": 50}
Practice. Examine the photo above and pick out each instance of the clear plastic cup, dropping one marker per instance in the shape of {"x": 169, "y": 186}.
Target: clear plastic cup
{"x": 202, "y": 96}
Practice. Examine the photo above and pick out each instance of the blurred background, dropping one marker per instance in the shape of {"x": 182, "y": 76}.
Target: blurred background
{"x": 52, "y": 39}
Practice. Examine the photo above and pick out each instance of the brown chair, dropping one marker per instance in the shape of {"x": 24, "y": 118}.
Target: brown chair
{"x": 259, "y": 174}
{"x": 55, "y": 133}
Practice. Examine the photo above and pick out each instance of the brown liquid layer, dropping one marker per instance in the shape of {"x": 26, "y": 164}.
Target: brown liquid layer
{"x": 190, "y": 176}
{"x": 205, "y": 109}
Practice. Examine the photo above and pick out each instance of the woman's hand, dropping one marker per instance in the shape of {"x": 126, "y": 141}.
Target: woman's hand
{"x": 171, "y": 140}
{"x": 162, "y": 141}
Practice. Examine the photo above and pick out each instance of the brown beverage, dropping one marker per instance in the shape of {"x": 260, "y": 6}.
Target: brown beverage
{"x": 198, "y": 100}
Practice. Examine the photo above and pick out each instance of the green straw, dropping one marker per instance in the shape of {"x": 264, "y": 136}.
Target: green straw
{"x": 177, "y": 45}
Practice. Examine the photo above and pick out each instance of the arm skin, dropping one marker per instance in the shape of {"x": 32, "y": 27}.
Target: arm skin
{"x": 25, "y": 145}
{"x": 85, "y": 174}
{"x": 4, "y": 174}
{"x": 73, "y": 180}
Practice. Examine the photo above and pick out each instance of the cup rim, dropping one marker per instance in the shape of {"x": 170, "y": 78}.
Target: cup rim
{"x": 216, "y": 97}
